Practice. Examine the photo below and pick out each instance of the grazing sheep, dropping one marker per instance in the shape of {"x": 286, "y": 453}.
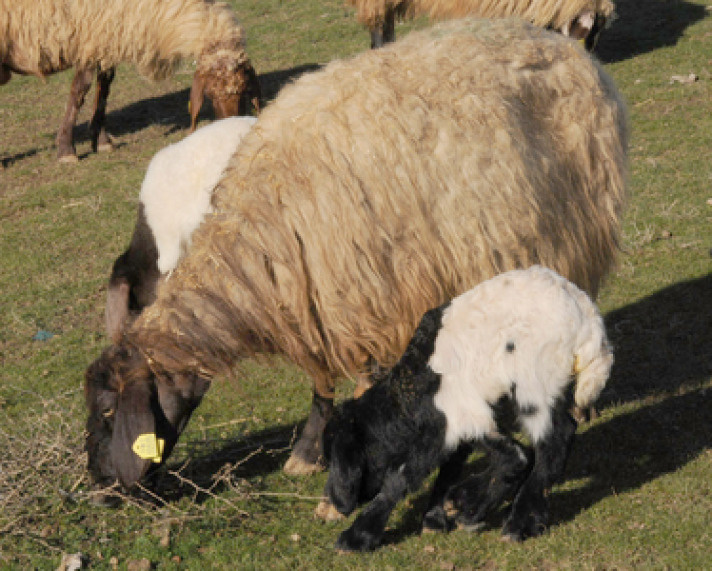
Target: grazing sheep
{"x": 515, "y": 340}
{"x": 367, "y": 193}
{"x": 579, "y": 19}
{"x": 175, "y": 197}
{"x": 48, "y": 36}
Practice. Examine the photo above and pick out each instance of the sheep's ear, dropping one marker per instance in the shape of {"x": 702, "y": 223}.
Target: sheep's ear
{"x": 134, "y": 444}
{"x": 197, "y": 92}
{"x": 346, "y": 460}
{"x": 117, "y": 308}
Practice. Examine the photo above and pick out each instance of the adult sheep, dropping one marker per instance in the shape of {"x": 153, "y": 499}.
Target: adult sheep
{"x": 580, "y": 19}
{"x": 367, "y": 193}
{"x": 174, "y": 199}
{"x": 42, "y": 37}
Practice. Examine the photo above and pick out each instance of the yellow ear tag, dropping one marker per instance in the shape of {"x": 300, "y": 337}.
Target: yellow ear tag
{"x": 575, "y": 369}
{"x": 148, "y": 447}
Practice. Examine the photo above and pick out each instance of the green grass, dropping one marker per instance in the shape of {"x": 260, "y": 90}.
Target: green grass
{"x": 637, "y": 493}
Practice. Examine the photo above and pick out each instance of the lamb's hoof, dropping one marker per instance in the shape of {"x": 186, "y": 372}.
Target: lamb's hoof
{"x": 68, "y": 159}
{"x": 297, "y": 466}
{"x": 327, "y": 512}
{"x": 105, "y": 147}
{"x": 470, "y": 527}
{"x": 451, "y": 510}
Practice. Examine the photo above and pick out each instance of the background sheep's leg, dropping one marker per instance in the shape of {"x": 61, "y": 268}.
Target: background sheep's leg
{"x": 479, "y": 494}
{"x": 100, "y": 140}
{"x": 367, "y": 530}
{"x": 307, "y": 451}
{"x": 529, "y": 513}
{"x": 435, "y": 518}
{"x": 65, "y": 141}
{"x": 384, "y": 32}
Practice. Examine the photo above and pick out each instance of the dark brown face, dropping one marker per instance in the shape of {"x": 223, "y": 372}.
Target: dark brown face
{"x": 134, "y": 419}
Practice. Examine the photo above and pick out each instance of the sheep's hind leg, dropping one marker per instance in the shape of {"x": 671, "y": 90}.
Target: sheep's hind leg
{"x": 435, "y": 518}
{"x": 530, "y": 510}
{"x": 307, "y": 451}
{"x": 66, "y": 153}
{"x": 100, "y": 139}
{"x": 366, "y": 532}
{"x": 479, "y": 494}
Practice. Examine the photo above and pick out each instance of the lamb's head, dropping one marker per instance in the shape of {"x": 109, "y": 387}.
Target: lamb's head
{"x": 136, "y": 414}
{"x": 227, "y": 78}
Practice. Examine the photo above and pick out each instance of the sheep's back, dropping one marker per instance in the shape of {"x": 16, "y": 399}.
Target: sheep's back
{"x": 384, "y": 185}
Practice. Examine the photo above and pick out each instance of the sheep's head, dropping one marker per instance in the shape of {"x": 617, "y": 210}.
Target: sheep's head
{"x": 5, "y": 74}
{"x": 135, "y": 414}
{"x": 588, "y": 25}
{"x": 228, "y": 79}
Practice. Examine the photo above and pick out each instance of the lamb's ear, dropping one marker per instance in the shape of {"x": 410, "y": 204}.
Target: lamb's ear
{"x": 197, "y": 92}
{"x": 117, "y": 308}
{"x": 345, "y": 453}
{"x": 134, "y": 444}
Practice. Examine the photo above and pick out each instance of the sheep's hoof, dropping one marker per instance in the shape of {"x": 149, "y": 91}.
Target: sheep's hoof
{"x": 327, "y": 512}
{"x": 297, "y": 466}
{"x": 68, "y": 159}
{"x": 105, "y": 147}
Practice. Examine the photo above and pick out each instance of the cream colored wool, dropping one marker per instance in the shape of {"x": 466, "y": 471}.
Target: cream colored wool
{"x": 386, "y": 184}
{"x": 41, "y": 37}
{"x": 551, "y": 13}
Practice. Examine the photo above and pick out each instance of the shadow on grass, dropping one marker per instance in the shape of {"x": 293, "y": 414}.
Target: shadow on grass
{"x": 646, "y": 25}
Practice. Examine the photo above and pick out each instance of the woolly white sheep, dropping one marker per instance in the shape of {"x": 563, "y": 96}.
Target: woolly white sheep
{"x": 579, "y": 19}
{"x": 368, "y": 192}
{"x": 515, "y": 341}
{"x": 174, "y": 199}
{"x": 43, "y": 37}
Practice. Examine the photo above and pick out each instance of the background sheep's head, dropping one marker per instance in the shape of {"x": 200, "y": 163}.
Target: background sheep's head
{"x": 135, "y": 414}
{"x": 228, "y": 79}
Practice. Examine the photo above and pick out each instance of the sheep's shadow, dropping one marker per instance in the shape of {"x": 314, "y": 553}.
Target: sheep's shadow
{"x": 642, "y": 26}
{"x": 171, "y": 109}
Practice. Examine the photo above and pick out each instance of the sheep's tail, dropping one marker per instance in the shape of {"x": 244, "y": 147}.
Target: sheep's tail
{"x": 592, "y": 363}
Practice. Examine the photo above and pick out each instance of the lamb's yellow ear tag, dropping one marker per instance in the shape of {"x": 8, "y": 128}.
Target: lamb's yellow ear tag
{"x": 575, "y": 369}
{"x": 148, "y": 447}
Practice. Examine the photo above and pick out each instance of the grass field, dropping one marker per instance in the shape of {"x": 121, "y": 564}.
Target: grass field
{"x": 638, "y": 491}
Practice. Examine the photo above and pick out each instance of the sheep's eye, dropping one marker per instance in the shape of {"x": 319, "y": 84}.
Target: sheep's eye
{"x": 108, "y": 413}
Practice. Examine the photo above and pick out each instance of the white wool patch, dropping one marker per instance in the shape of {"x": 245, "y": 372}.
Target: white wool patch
{"x": 179, "y": 182}
{"x": 515, "y": 334}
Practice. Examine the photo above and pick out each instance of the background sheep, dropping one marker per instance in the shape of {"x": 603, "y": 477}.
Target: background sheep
{"x": 580, "y": 19}
{"x": 513, "y": 340}
{"x": 47, "y": 36}
{"x": 175, "y": 197}
{"x": 366, "y": 194}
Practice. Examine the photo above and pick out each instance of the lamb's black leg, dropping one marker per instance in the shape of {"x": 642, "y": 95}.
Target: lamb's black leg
{"x": 435, "y": 518}
{"x": 307, "y": 451}
{"x": 481, "y": 493}
{"x": 367, "y": 530}
{"x": 530, "y": 510}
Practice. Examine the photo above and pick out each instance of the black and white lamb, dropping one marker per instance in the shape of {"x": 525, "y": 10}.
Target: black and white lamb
{"x": 513, "y": 343}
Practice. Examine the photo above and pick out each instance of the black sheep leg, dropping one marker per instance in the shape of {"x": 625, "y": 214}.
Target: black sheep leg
{"x": 307, "y": 451}
{"x": 530, "y": 510}
{"x": 479, "y": 494}
{"x": 435, "y": 518}
{"x": 367, "y": 530}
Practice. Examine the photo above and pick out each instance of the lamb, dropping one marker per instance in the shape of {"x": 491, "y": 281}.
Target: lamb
{"x": 579, "y": 19}
{"x": 174, "y": 199}
{"x": 48, "y": 36}
{"x": 366, "y": 193}
{"x": 514, "y": 341}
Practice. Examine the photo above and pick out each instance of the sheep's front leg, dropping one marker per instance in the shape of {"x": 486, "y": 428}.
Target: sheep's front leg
{"x": 479, "y": 494}
{"x": 366, "y": 532}
{"x": 530, "y": 510}
{"x": 435, "y": 518}
{"x": 307, "y": 451}
{"x": 385, "y": 32}
{"x": 65, "y": 141}
{"x": 100, "y": 139}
